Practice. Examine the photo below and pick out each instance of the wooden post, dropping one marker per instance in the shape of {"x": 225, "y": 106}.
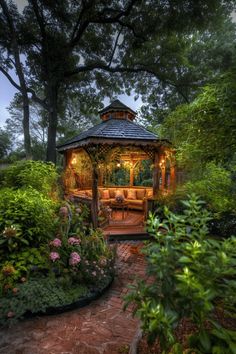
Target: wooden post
{"x": 94, "y": 206}
{"x": 172, "y": 178}
{"x": 156, "y": 175}
{"x": 163, "y": 173}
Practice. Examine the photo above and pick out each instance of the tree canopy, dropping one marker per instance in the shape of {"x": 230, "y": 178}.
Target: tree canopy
{"x": 205, "y": 130}
{"x": 100, "y": 49}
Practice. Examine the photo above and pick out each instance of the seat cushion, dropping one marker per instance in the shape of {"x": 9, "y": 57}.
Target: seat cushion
{"x": 135, "y": 201}
{"x": 105, "y": 201}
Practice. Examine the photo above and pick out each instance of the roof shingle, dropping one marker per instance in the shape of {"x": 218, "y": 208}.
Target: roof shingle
{"x": 113, "y": 129}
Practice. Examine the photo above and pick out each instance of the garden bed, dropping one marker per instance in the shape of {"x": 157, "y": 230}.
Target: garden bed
{"x": 45, "y": 296}
{"x": 93, "y": 294}
{"x": 183, "y": 331}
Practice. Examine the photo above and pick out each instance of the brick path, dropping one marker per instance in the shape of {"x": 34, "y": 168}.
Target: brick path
{"x": 101, "y": 327}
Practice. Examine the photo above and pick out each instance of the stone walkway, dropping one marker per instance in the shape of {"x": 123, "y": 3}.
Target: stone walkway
{"x": 100, "y": 328}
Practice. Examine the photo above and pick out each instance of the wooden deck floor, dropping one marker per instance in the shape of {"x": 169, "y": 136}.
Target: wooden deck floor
{"x": 131, "y": 225}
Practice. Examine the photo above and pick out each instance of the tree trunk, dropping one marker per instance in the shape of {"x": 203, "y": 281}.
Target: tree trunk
{"x": 20, "y": 74}
{"x": 52, "y": 124}
{"x": 26, "y": 130}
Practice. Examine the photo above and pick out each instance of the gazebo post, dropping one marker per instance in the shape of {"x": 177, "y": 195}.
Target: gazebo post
{"x": 156, "y": 175}
{"x": 94, "y": 206}
{"x": 131, "y": 175}
{"x": 163, "y": 172}
{"x": 172, "y": 177}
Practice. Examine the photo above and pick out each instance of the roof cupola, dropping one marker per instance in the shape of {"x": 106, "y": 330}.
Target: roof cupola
{"x": 117, "y": 110}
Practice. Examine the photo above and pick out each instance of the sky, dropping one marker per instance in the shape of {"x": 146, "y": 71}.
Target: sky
{"x": 7, "y": 92}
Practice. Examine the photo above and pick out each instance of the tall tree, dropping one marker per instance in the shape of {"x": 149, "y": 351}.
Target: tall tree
{"x": 10, "y": 58}
{"x": 70, "y": 43}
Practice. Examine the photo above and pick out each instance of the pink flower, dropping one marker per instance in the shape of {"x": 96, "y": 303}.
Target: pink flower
{"x": 94, "y": 274}
{"x": 73, "y": 241}
{"x": 54, "y": 256}
{"x": 74, "y": 259}
{"x": 56, "y": 242}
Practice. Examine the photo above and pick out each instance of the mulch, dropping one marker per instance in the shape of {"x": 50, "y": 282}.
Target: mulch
{"x": 183, "y": 331}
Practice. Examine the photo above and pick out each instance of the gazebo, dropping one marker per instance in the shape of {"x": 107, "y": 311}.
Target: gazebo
{"x": 117, "y": 142}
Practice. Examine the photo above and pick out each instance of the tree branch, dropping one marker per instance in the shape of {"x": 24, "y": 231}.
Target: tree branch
{"x": 100, "y": 18}
{"x": 115, "y": 46}
{"x": 8, "y": 76}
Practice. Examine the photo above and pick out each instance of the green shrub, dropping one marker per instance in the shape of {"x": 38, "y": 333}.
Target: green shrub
{"x": 192, "y": 275}
{"x": 215, "y": 187}
{"x": 23, "y": 265}
{"x": 171, "y": 200}
{"x": 39, "y": 175}
{"x": 26, "y": 219}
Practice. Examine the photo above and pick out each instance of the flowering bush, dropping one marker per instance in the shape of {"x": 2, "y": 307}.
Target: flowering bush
{"x": 77, "y": 257}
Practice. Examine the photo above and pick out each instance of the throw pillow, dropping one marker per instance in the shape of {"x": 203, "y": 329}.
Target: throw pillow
{"x": 131, "y": 194}
{"x": 105, "y": 194}
{"x": 140, "y": 193}
{"x": 112, "y": 192}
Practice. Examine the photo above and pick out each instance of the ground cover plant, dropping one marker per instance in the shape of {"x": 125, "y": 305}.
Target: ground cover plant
{"x": 192, "y": 278}
{"x": 50, "y": 254}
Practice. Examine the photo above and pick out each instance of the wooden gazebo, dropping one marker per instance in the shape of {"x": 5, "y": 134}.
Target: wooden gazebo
{"x": 117, "y": 138}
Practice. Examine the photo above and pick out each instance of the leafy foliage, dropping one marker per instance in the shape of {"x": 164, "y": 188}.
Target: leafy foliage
{"x": 39, "y": 175}
{"x": 20, "y": 266}
{"x": 37, "y": 295}
{"x": 191, "y": 275}
{"x": 215, "y": 187}
{"x": 26, "y": 219}
{"x": 204, "y": 130}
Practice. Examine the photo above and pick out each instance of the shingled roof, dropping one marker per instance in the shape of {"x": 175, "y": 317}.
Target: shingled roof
{"x": 116, "y": 105}
{"x": 112, "y": 129}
